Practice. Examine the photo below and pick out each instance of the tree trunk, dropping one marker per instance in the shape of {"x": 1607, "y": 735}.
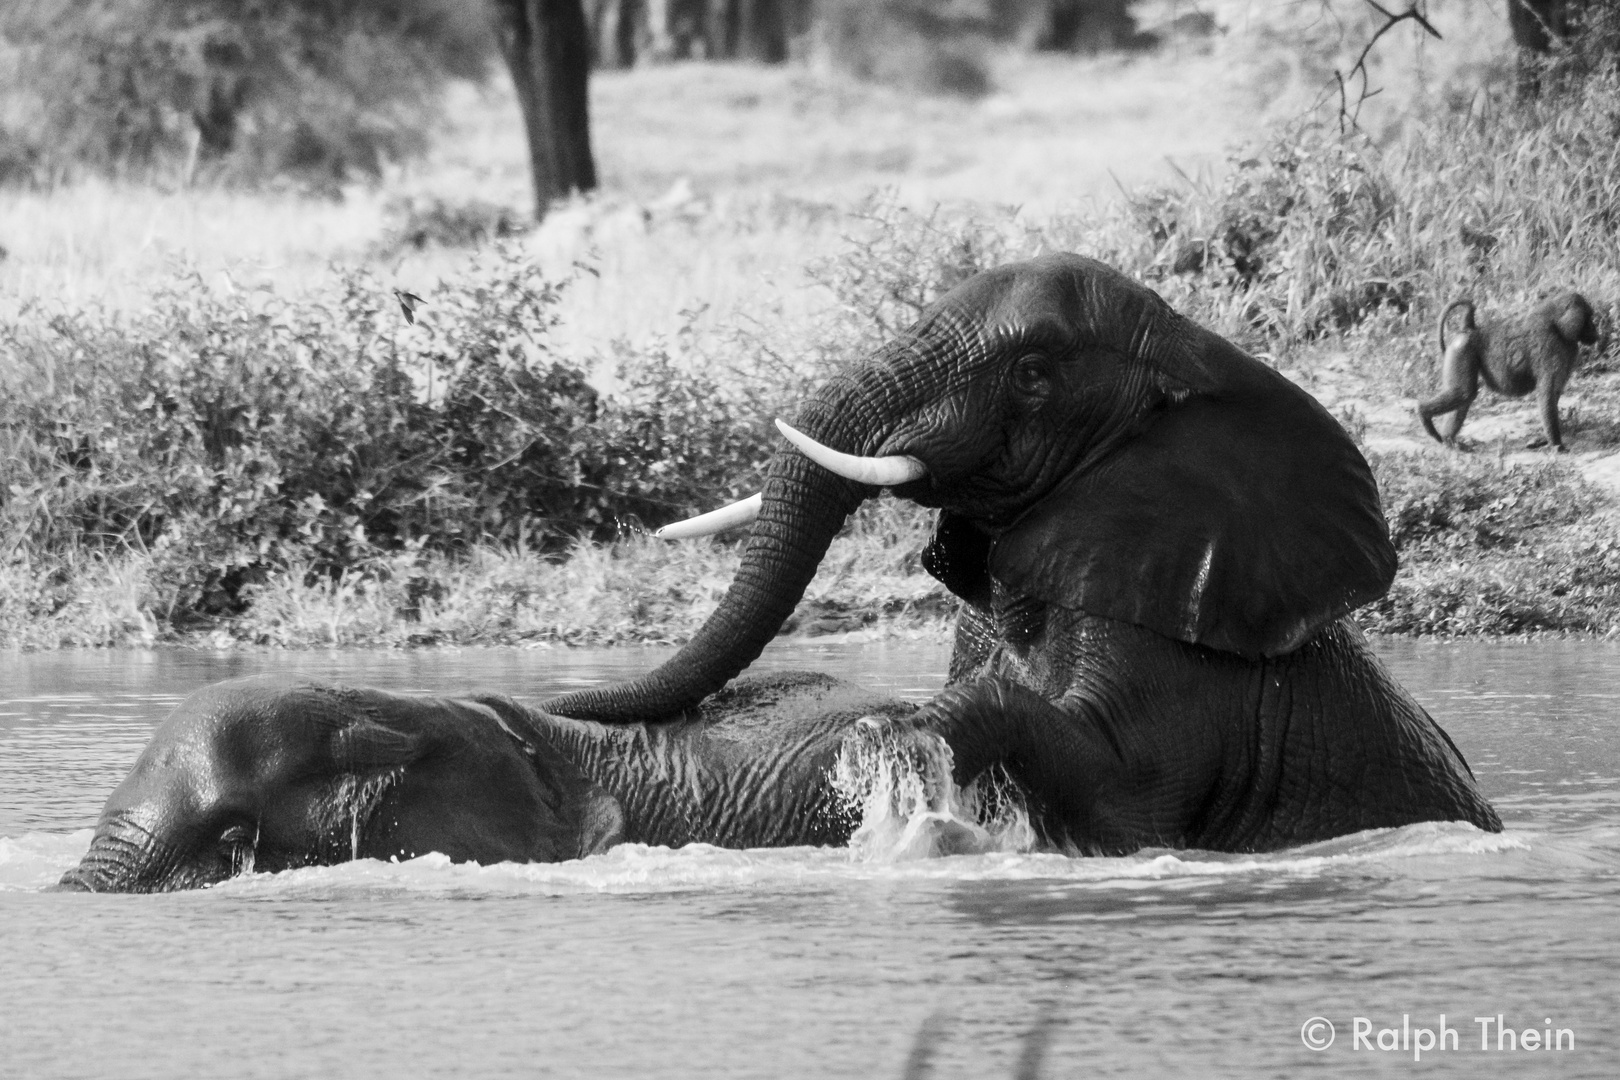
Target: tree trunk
{"x": 1535, "y": 23}
{"x": 612, "y": 28}
{"x": 548, "y": 49}
{"x": 1087, "y": 26}
{"x": 759, "y": 31}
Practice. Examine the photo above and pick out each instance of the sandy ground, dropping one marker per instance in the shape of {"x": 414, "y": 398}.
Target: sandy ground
{"x": 1497, "y": 426}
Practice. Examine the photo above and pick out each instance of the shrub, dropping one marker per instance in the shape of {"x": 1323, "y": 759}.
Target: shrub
{"x": 229, "y": 436}
{"x": 1488, "y": 548}
{"x": 321, "y": 90}
{"x": 1460, "y": 504}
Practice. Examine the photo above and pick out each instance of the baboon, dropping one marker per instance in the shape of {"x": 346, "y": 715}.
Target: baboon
{"x": 1535, "y": 351}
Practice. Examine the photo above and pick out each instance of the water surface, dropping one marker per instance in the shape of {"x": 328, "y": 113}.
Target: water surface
{"x": 816, "y": 963}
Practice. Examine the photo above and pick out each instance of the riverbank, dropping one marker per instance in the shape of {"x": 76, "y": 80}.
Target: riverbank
{"x": 1492, "y": 543}
{"x": 223, "y": 429}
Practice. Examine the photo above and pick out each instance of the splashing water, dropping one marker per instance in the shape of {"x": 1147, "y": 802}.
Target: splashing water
{"x": 356, "y": 798}
{"x": 900, "y": 783}
{"x": 243, "y": 856}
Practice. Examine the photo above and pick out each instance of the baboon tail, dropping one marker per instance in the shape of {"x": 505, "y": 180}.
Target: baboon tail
{"x": 1468, "y": 319}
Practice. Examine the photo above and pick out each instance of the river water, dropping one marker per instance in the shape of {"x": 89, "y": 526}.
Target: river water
{"x": 818, "y": 963}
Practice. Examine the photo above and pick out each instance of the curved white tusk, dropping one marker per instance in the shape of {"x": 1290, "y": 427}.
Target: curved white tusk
{"x": 876, "y": 471}
{"x": 740, "y": 513}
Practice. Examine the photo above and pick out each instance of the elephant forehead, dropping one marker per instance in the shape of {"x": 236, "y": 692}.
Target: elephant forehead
{"x": 1058, "y": 297}
{"x": 223, "y": 735}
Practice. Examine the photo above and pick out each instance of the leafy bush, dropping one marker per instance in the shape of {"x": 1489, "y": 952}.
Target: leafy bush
{"x": 1314, "y": 232}
{"x": 1493, "y": 549}
{"x": 1455, "y": 503}
{"x": 229, "y": 436}
{"x": 1300, "y": 235}
{"x": 1317, "y": 230}
{"x": 319, "y": 89}
{"x": 896, "y": 261}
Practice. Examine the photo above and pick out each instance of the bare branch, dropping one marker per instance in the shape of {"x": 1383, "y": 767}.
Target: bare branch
{"x": 1350, "y": 114}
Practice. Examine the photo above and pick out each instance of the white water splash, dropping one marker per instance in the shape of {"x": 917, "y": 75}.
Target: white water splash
{"x": 243, "y": 856}
{"x": 355, "y": 799}
{"x": 37, "y": 860}
{"x": 900, "y": 783}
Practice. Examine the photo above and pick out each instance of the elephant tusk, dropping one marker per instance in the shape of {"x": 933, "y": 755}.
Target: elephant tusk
{"x": 876, "y": 471}
{"x": 740, "y": 513}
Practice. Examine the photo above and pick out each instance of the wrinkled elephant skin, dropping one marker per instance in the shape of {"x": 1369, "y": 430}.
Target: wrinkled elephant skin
{"x": 271, "y": 773}
{"x": 1156, "y": 540}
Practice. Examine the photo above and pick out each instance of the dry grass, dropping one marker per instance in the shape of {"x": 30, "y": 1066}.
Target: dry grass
{"x": 771, "y": 157}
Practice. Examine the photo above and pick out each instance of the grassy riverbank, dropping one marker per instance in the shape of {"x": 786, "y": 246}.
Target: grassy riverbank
{"x": 220, "y": 427}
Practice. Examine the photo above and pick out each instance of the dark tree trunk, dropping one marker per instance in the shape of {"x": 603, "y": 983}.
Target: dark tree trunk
{"x": 1540, "y": 25}
{"x": 546, "y": 45}
{"x": 612, "y": 29}
{"x": 629, "y": 32}
{"x": 759, "y": 31}
{"x": 1537, "y": 23}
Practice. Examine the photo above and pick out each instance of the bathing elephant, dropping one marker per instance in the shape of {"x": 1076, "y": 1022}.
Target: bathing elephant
{"x": 1155, "y": 538}
{"x": 275, "y": 772}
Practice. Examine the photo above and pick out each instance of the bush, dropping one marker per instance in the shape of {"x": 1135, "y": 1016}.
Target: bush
{"x": 230, "y": 436}
{"x": 1488, "y": 548}
{"x": 317, "y": 89}
{"x": 896, "y": 261}
{"x": 1457, "y": 503}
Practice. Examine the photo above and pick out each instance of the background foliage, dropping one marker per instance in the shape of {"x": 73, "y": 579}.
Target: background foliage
{"x": 297, "y": 467}
{"x": 319, "y": 90}
{"x": 226, "y": 435}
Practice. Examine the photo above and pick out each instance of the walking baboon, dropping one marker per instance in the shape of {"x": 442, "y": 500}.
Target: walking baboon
{"x": 1535, "y": 351}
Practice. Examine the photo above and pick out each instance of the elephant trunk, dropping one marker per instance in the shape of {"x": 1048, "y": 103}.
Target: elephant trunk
{"x": 104, "y": 868}
{"x": 803, "y": 508}
{"x": 75, "y": 880}
{"x": 124, "y": 857}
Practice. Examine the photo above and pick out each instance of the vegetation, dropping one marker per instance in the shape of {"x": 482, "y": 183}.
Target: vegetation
{"x": 319, "y": 91}
{"x": 1493, "y": 548}
{"x": 246, "y": 459}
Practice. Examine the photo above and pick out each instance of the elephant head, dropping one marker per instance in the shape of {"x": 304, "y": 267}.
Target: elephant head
{"x": 271, "y": 773}
{"x": 1087, "y": 447}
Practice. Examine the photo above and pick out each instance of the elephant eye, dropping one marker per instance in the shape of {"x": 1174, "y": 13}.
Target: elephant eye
{"x": 1032, "y": 375}
{"x": 237, "y": 845}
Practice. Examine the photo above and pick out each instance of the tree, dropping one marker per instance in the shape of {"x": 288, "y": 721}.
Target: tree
{"x": 625, "y": 32}
{"x": 547, "y": 47}
{"x": 1562, "y": 39}
{"x": 1536, "y": 24}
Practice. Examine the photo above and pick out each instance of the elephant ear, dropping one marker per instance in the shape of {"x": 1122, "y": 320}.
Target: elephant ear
{"x": 1240, "y": 517}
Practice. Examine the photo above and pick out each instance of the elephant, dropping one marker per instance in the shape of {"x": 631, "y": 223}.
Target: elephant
{"x": 275, "y": 772}
{"x": 1156, "y": 541}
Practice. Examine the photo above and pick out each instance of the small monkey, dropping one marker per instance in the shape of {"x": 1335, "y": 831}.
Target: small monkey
{"x": 1535, "y": 351}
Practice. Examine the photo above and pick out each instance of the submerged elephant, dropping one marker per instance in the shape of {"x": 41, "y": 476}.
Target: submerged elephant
{"x": 272, "y": 773}
{"x": 1156, "y": 539}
